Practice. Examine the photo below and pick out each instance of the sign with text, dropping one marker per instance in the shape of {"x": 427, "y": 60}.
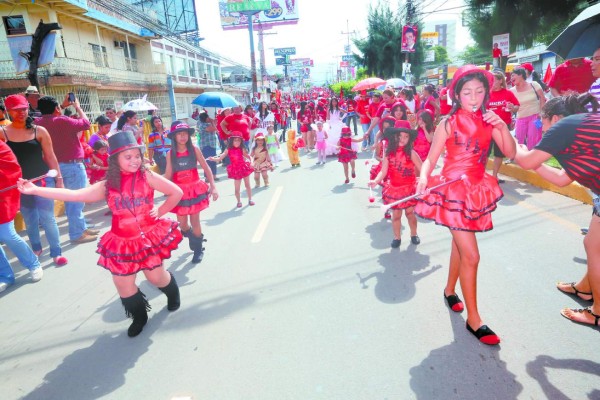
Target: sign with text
{"x": 409, "y": 38}
{"x": 281, "y": 61}
{"x": 344, "y": 64}
{"x": 429, "y": 56}
{"x": 348, "y": 58}
{"x": 248, "y": 5}
{"x": 430, "y": 39}
{"x": 503, "y": 42}
{"x": 276, "y": 13}
{"x": 302, "y": 62}
{"x": 285, "y": 51}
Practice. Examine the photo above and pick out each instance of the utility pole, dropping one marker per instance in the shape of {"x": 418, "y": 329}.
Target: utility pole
{"x": 261, "y": 49}
{"x": 347, "y": 48}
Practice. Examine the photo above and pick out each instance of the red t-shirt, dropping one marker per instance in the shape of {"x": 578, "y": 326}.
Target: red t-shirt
{"x": 64, "y": 133}
{"x": 361, "y": 108}
{"x": 372, "y": 109}
{"x": 497, "y": 104}
{"x": 570, "y": 77}
{"x": 428, "y": 105}
{"x": 351, "y": 106}
{"x": 496, "y": 53}
{"x": 444, "y": 107}
{"x": 240, "y": 123}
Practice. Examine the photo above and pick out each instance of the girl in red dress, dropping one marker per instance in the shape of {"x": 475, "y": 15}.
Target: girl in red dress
{"x": 399, "y": 167}
{"x": 466, "y": 205}
{"x": 99, "y": 162}
{"x": 346, "y": 154}
{"x": 380, "y": 149}
{"x": 139, "y": 239}
{"x": 181, "y": 168}
{"x": 239, "y": 167}
{"x": 424, "y": 133}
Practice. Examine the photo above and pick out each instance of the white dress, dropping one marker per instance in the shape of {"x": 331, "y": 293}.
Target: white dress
{"x": 333, "y": 132}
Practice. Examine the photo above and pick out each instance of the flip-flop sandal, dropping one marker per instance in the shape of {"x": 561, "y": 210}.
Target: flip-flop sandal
{"x": 485, "y": 335}
{"x": 575, "y": 291}
{"x": 582, "y": 310}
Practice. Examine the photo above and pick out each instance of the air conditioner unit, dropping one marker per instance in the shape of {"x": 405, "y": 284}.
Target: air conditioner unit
{"x": 119, "y": 45}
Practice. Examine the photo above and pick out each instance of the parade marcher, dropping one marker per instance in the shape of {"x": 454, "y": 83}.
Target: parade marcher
{"x": 261, "y": 160}
{"x": 572, "y": 76}
{"x": 181, "y": 169}
{"x": 351, "y": 114}
{"x": 139, "y": 239}
{"x": 292, "y": 148}
{"x": 362, "y": 105}
{"x": 407, "y": 95}
{"x": 66, "y": 134}
{"x": 528, "y": 128}
{"x": 335, "y": 115}
{"x": 9, "y": 206}
{"x": 572, "y": 136}
{"x": 504, "y": 103}
{"x": 384, "y": 108}
{"x": 264, "y": 115}
{"x": 398, "y": 170}
{"x": 273, "y": 146}
{"x": 159, "y": 144}
{"x": 465, "y": 206}
{"x": 239, "y": 168}
{"x": 321, "y": 137}
{"x": 238, "y": 122}
{"x": 346, "y": 155}
{"x": 222, "y": 136}
{"x": 99, "y": 162}
{"x": 305, "y": 119}
{"x": 425, "y": 132}
{"x": 32, "y": 145}
{"x": 429, "y": 102}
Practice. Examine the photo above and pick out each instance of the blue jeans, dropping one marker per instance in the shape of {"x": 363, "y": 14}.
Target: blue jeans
{"x": 74, "y": 178}
{"x": 38, "y": 211}
{"x": 208, "y": 151}
{"x": 371, "y": 139}
{"x": 351, "y": 118}
{"x": 17, "y": 245}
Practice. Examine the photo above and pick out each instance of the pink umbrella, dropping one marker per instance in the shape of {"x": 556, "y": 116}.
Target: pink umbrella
{"x": 369, "y": 83}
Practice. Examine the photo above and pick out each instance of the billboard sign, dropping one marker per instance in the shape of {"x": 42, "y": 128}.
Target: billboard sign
{"x": 248, "y": 5}
{"x": 285, "y": 51}
{"x": 348, "y": 58}
{"x": 430, "y": 39}
{"x": 344, "y": 64}
{"x": 302, "y": 62}
{"x": 503, "y": 42}
{"x": 280, "y": 12}
{"x": 409, "y": 38}
{"x": 282, "y": 61}
{"x": 429, "y": 56}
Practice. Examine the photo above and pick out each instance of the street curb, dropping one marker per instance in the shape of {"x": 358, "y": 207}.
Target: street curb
{"x": 574, "y": 190}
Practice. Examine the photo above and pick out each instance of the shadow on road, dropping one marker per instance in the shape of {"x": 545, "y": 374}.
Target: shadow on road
{"x": 401, "y": 271}
{"x": 464, "y": 369}
{"x": 538, "y": 370}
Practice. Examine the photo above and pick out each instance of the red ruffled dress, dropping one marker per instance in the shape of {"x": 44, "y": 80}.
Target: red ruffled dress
{"x": 196, "y": 194}
{"x": 136, "y": 241}
{"x": 346, "y": 154}
{"x": 422, "y": 145}
{"x": 467, "y": 204}
{"x": 401, "y": 180}
{"x": 377, "y": 167}
{"x": 239, "y": 168}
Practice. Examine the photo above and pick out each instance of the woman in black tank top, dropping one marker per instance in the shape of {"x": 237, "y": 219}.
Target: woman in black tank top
{"x": 32, "y": 146}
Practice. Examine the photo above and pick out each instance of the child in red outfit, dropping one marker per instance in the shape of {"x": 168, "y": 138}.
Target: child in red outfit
{"x": 346, "y": 154}
{"x": 139, "y": 239}
{"x": 239, "y": 167}
{"x": 466, "y": 205}
{"x": 99, "y": 162}
{"x": 400, "y": 166}
{"x": 181, "y": 168}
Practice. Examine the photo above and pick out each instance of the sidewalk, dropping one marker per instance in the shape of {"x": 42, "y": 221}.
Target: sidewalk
{"x": 574, "y": 190}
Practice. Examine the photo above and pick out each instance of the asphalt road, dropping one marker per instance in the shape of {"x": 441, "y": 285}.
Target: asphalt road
{"x": 301, "y": 297}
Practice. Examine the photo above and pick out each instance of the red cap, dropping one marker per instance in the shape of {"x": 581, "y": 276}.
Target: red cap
{"x": 402, "y": 124}
{"x": 467, "y": 70}
{"x": 15, "y": 101}
{"x": 346, "y": 131}
{"x": 259, "y": 135}
{"x": 527, "y": 66}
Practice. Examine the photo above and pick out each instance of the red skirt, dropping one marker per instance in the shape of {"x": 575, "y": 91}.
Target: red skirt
{"x": 375, "y": 169}
{"x": 196, "y": 197}
{"x": 390, "y": 194}
{"x": 239, "y": 170}
{"x": 462, "y": 205}
{"x": 127, "y": 256}
{"x": 346, "y": 156}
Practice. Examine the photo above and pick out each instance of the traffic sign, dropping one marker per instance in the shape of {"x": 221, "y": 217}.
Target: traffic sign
{"x": 285, "y": 51}
{"x": 348, "y": 58}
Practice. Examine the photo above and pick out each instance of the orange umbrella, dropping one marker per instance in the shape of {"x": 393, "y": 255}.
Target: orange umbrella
{"x": 548, "y": 74}
{"x": 369, "y": 83}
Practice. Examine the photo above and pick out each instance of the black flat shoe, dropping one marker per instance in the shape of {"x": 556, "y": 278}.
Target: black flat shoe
{"x": 454, "y": 302}
{"x": 396, "y": 243}
{"x": 415, "y": 240}
{"x": 484, "y": 334}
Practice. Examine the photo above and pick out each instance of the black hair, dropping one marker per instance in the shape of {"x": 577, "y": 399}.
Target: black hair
{"x": 103, "y": 120}
{"x": 520, "y": 71}
{"x": 2, "y": 108}
{"x": 461, "y": 82}
{"x": 568, "y": 105}
{"x": 67, "y": 112}
{"x": 99, "y": 144}
{"x": 230, "y": 142}
{"x": 113, "y": 174}
{"x": 411, "y": 30}
{"x": 393, "y": 137}
{"x": 536, "y": 78}
{"x": 47, "y": 105}
{"x": 403, "y": 108}
{"x": 428, "y": 120}
{"x": 260, "y": 109}
{"x": 337, "y": 106}
{"x": 203, "y": 116}
{"x": 189, "y": 146}
{"x": 152, "y": 122}
{"x": 123, "y": 118}
{"x": 410, "y": 96}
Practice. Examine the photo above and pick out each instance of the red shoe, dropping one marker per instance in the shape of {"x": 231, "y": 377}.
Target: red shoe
{"x": 485, "y": 335}
{"x": 60, "y": 261}
{"x": 387, "y": 215}
{"x": 347, "y": 181}
{"x": 454, "y": 302}
{"x": 251, "y": 203}
{"x": 353, "y": 174}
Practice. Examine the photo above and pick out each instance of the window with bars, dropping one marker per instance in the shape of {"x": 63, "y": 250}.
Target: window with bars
{"x": 100, "y": 55}
{"x": 14, "y": 25}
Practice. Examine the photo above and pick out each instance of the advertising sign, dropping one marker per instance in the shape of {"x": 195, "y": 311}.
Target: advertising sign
{"x": 503, "y": 42}
{"x": 409, "y": 38}
{"x": 430, "y": 39}
{"x": 302, "y": 62}
{"x": 344, "y": 64}
{"x": 285, "y": 51}
{"x": 429, "y": 56}
{"x": 347, "y": 58}
{"x": 280, "y": 61}
{"x": 248, "y": 5}
{"x": 279, "y": 12}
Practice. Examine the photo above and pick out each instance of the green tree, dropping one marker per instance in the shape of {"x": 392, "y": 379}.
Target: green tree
{"x": 527, "y": 21}
{"x": 441, "y": 56}
{"x": 475, "y": 55}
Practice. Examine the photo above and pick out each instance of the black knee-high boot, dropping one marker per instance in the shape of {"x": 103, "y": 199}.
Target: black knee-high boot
{"x": 172, "y": 293}
{"x": 197, "y": 246}
{"x": 136, "y": 307}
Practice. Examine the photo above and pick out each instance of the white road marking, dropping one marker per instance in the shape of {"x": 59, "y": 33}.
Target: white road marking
{"x": 262, "y": 227}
